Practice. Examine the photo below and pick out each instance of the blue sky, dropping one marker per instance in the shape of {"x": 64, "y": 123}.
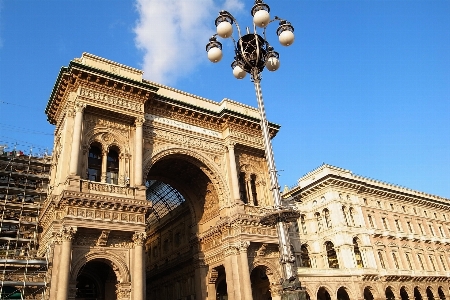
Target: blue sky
{"x": 365, "y": 86}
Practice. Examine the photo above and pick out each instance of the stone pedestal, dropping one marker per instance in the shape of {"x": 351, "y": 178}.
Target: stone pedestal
{"x": 294, "y": 295}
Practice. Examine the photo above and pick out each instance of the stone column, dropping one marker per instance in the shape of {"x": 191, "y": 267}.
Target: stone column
{"x": 236, "y": 276}
{"x": 104, "y": 162}
{"x": 76, "y": 138}
{"x": 66, "y": 235}
{"x": 244, "y": 271}
{"x": 139, "y": 266}
{"x": 233, "y": 290}
{"x": 233, "y": 171}
{"x": 201, "y": 284}
{"x": 138, "y": 151}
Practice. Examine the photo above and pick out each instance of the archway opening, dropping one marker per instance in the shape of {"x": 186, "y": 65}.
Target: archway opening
{"x": 96, "y": 281}
{"x": 221, "y": 290}
{"x": 404, "y": 294}
{"x": 260, "y": 284}
{"x": 389, "y": 294}
{"x": 368, "y": 294}
{"x": 342, "y": 294}
{"x": 322, "y": 294}
{"x": 430, "y": 295}
{"x": 417, "y": 295}
{"x": 331, "y": 255}
{"x": 441, "y": 293}
{"x": 185, "y": 203}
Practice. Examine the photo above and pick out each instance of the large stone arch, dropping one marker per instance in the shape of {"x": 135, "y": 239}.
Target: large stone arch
{"x": 117, "y": 264}
{"x": 209, "y": 167}
{"x": 272, "y": 272}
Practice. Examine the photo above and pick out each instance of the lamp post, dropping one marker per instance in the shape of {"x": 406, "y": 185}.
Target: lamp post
{"x": 253, "y": 53}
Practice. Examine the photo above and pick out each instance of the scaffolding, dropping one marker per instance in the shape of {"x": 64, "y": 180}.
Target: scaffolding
{"x": 23, "y": 187}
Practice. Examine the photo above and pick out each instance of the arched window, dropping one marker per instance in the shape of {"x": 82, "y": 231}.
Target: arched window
{"x": 331, "y": 255}
{"x": 253, "y": 188}
{"x": 318, "y": 221}
{"x": 95, "y": 163}
{"x": 112, "y": 167}
{"x": 306, "y": 261}
{"x": 351, "y": 213}
{"x": 372, "y": 225}
{"x": 242, "y": 187}
{"x": 389, "y": 294}
{"x": 358, "y": 257}
{"x": 303, "y": 222}
{"x": 345, "y": 215}
{"x": 326, "y": 214}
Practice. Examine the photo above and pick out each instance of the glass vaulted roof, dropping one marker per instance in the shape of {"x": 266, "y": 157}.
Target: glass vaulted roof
{"x": 163, "y": 197}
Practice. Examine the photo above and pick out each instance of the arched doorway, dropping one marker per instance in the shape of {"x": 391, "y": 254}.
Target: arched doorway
{"x": 404, "y": 294}
{"x": 96, "y": 281}
{"x": 430, "y": 295}
{"x": 322, "y": 294}
{"x": 441, "y": 293}
{"x": 260, "y": 284}
{"x": 417, "y": 295}
{"x": 368, "y": 294}
{"x": 389, "y": 294}
{"x": 221, "y": 290}
{"x": 185, "y": 203}
{"x": 342, "y": 294}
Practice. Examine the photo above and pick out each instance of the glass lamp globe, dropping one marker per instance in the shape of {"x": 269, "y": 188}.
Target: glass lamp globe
{"x": 286, "y": 38}
{"x": 272, "y": 64}
{"x": 215, "y": 54}
{"x": 261, "y": 18}
{"x": 224, "y": 29}
{"x": 238, "y": 72}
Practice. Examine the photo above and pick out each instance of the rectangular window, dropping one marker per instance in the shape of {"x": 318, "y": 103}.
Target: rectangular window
{"x": 408, "y": 261}
{"x": 384, "y": 223}
{"x": 421, "y": 228}
{"x": 419, "y": 258}
{"x": 371, "y": 221}
{"x": 443, "y": 262}
{"x": 431, "y": 229}
{"x": 410, "y": 227}
{"x": 394, "y": 256}
{"x": 432, "y": 263}
{"x": 380, "y": 257}
{"x": 397, "y": 225}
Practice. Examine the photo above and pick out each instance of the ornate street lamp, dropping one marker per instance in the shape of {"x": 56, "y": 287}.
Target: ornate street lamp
{"x": 253, "y": 53}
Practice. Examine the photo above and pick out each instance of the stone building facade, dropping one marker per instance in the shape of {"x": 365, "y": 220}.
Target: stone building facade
{"x": 366, "y": 239}
{"x": 154, "y": 193}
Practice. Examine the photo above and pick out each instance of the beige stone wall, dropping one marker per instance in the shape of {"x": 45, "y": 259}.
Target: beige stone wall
{"x": 384, "y": 221}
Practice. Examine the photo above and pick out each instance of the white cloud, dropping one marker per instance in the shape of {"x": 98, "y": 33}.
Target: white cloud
{"x": 173, "y": 33}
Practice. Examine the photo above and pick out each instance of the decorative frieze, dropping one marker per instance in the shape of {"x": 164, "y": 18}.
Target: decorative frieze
{"x": 184, "y": 140}
{"x": 105, "y": 215}
{"x": 104, "y": 98}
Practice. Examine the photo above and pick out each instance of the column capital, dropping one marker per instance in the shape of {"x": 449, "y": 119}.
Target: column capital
{"x": 139, "y": 238}
{"x": 139, "y": 121}
{"x": 231, "y": 250}
{"x": 243, "y": 246}
{"x": 65, "y": 234}
{"x": 123, "y": 291}
{"x": 230, "y": 145}
{"x": 79, "y": 106}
